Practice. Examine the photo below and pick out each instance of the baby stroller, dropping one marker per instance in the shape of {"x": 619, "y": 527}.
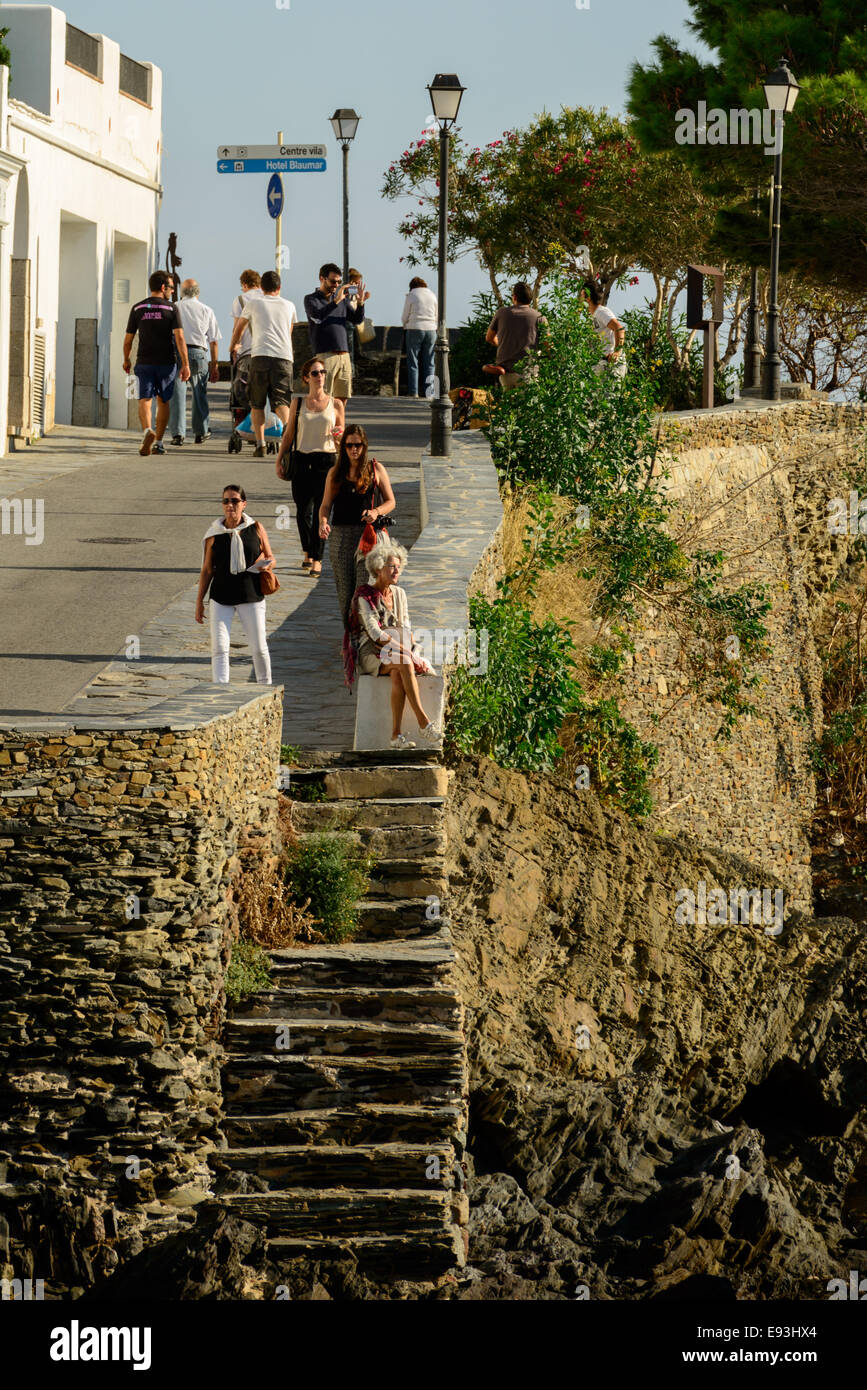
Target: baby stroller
{"x": 239, "y": 399}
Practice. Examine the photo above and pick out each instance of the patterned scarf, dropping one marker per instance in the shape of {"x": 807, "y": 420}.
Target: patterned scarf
{"x": 352, "y": 635}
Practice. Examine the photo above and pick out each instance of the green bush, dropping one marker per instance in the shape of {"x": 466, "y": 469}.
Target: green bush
{"x": 470, "y": 351}
{"x": 248, "y": 972}
{"x": 513, "y": 713}
{"x": 566, "y": 432}
{"x": 332, "y": 873}
{"x": 672, "y": 387}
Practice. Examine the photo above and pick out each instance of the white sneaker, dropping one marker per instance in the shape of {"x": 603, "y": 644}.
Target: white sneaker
{"x": 431, "y": 734}
{"x": 401, "y": 742}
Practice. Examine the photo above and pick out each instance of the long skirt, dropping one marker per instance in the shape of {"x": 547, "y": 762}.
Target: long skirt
{"x": 348, "y": 573}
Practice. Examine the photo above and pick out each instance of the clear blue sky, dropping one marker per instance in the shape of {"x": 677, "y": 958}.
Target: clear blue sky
{"x": 239, "y": 72}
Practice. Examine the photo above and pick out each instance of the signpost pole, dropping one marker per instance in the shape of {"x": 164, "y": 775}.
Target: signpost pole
{"x": 279, "y": 221}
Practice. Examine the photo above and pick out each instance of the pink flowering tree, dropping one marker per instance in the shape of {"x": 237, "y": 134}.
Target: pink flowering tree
{"x": 571, "y": 192}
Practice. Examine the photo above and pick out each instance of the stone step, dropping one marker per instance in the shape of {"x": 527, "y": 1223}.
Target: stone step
{"x": 395, "y": 919}
{"x": 374, "y": 1124}
{"x": 385, "y": 843}
{"x": 428, "y": 1004}
{"x": 320, "y": 1212}
{"x": 336, "y": 1037}
{"x": 262, "y": 1083}
{"x": 369, "y": 813}
{"x": 427, "y": 960}
{"x": 416, "y": 779}
{"x": 428, "y": 1166}
{"x": 409, "y": 878}
{"x": 384, "y": 1258}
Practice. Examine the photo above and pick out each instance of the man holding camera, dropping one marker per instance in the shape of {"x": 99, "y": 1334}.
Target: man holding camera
{"x": 329, "y": 309}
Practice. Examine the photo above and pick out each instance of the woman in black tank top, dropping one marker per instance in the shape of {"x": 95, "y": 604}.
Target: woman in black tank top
{"x": 231, "y": 546}
{"x": 358, "y": 490}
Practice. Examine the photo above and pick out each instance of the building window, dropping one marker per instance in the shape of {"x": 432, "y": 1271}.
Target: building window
{"x": 134, "y": 79}
{"x": 82, "y": 50}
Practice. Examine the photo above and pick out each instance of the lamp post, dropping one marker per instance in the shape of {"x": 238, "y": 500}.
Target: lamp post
{"x": 344, "y": 123}
{"x": 445, "y": 94}
{"x": 752, "y": 346}
{"x": 781, "y": 93}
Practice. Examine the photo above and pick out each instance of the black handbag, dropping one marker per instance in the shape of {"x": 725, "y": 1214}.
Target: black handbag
{"x": 289, "y": 463}
{"x": 382, "y": 522}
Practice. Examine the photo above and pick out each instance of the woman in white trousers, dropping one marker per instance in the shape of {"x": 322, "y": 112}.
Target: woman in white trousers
{"x": 236, "y": 550}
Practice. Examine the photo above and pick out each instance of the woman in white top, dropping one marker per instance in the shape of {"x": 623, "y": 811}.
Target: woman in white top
{"x": 316, "y": 424}
{"x": 419, "y": 318}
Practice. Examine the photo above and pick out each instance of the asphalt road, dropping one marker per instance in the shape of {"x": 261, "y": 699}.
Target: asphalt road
{"x": 122, "y": 539}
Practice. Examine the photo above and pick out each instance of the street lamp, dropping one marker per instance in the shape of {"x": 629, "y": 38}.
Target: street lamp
{"x": 781, "y": 93}
{"x": 752, "y": 346}
{"x": 445, "y": 95}
{"x": 344, "y": 122}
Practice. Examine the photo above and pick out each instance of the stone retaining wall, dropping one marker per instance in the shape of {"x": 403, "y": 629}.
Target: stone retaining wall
{"x": 768, "y": 473}
{"x": 119, "y": 846}
{"x": 768, "y": 476}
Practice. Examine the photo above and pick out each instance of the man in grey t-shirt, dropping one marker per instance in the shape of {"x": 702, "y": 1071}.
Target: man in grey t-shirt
{"x": 513, "y": 331}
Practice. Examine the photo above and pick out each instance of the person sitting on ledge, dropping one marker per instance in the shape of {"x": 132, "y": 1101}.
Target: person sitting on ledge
{"x": 514, "y": 330}
{"x": 380, "y": 643}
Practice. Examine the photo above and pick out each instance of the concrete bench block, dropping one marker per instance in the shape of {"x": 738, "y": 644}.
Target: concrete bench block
{"x": 373, "y": 710}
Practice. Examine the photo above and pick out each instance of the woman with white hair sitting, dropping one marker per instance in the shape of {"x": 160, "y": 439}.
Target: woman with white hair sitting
{"x": 379, "y": 641}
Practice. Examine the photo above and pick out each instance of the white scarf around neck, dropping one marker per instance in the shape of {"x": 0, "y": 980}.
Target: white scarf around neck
{"x": 237, "y": 558}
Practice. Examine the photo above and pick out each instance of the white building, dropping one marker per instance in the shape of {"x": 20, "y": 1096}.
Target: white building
{"x": 80, "y": 145}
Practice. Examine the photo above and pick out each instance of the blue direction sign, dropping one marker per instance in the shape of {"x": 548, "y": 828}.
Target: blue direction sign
{"x": 271, "y": 166}
{"x": 275, "y": 195}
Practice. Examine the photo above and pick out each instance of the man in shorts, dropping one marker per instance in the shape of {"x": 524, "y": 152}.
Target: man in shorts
{"x": 158, "y": 325}
{"x": 328, "y": 310}
{"x": 270, "y": 320}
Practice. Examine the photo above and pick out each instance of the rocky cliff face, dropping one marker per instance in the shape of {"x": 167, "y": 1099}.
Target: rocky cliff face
{"x": 658, "y": 1108}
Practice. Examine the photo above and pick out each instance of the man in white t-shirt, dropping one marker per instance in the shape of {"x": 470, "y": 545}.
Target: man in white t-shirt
{"x": 611, "y": 331}
{"x": 270, "y": 321}
{"x": 251, "y": 288}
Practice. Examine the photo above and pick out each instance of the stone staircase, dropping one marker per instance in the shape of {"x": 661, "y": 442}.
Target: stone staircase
{"x": 345, "y": 1085}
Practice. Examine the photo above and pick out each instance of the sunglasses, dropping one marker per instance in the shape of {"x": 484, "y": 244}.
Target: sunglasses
{"x": 357, "y": 445}
{"x": 316, "y": 373}
{"x": 232, "y": 501}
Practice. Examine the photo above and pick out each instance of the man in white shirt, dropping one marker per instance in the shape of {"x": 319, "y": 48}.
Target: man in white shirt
{"x": 270, "y": 320}
{"x": 611, "y": 332}
{"x": 202, "y": 333}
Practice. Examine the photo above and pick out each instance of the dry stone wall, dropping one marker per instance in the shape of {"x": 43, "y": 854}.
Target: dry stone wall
{"x": 118, "y": 847}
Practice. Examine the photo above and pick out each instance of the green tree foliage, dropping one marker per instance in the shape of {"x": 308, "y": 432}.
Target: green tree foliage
{"x": 825, "y": 191}
{"x": 527, "y": 203}
{"x": 5, "y": 55}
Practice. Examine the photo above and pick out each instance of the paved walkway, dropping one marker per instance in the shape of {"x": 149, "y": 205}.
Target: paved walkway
{"x": 66, "y": 622}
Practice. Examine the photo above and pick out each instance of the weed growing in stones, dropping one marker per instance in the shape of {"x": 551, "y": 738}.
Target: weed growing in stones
{"x": 329, "y": 874}
{"x": 248, "y": 971}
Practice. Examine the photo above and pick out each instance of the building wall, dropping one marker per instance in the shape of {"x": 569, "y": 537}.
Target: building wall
{"x": 92, "y": 160}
